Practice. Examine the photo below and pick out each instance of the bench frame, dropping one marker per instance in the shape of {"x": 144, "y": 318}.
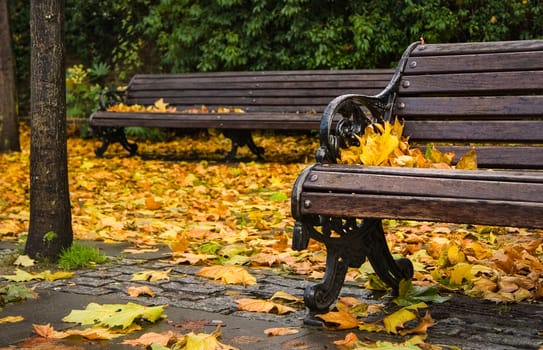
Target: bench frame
{"x": 342, "y": 205}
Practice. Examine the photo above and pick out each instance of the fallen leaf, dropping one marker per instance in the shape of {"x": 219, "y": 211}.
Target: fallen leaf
{"x": 228, "y": 274}
{"x": 151, "y": 275}
{"x": 11, "y": 319}
{"x": 153, "y": 338}
{"x": 143, "y": 290}
{"x": 24, "y": 260}
{"x": 256, "y": 305}
{"x": 281, "y": 331}
{"x": 339, "y": 320}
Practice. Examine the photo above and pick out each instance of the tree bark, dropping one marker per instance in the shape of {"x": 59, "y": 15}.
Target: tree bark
{"x": 50, "y": 229}
{"x": 9, "y": 132}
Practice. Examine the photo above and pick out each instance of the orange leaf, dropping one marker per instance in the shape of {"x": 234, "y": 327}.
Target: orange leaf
{"x": 228, "y": 274}
{"x": 281, "y": 331}
{"x": 339, "y": 319}
{"x": 256, "y": 305}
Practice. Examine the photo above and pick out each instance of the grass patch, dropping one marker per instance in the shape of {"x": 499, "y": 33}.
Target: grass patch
{"x": 81, "y": 256}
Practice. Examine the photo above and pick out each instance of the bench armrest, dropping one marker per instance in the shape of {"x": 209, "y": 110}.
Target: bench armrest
{"x": 110, "y": 98}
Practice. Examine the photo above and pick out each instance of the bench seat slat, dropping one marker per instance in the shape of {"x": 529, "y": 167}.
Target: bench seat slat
{"x": 424, "y": 186}
{"x": 487, "y": 212}
{"x": 472, "y": 83}
{"x": 248, "y": 121}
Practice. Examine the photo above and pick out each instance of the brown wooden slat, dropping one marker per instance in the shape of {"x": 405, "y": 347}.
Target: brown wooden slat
{"x": 344, "y": 74}
{"x": 505, "y": 61}
{"x": 496, "y": 213}
{"x": 501, "y": 157}
{"x": 510, "y": 107}
{"x": 423, "y": 186}
{"x": 249, "y": 101}
{"x": 202, "y": 93}
{"x": 249, "y": 121}
{"x": 479, "y": 130}
{"x": 497, "y": 175}
{"x": 474, "y": 83}
{"x": 478, "y": 47}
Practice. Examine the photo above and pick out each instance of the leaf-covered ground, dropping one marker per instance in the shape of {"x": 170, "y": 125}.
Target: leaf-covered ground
{"x": 180, "y": 193}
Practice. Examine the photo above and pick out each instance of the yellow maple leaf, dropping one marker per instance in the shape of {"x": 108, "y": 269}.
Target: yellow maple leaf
{"x": 339, "y": 320}
{"x": 230, "y": 274}
{"x": 461, "y": 272}
{"x": 151, "y": 275}
{"x": 468, "y": 161}
{"x": 266, "y": 306}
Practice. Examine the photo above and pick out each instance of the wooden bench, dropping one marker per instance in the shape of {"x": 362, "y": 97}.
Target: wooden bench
{"x": 272, "y": 100}
{"x": 456, "y": 96}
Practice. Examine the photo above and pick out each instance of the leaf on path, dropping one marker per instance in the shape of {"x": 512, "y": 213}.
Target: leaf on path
{"x": 339, "y": 320}
{"x": 24, "y": 261}
{"x": 281, "y": 331}
{"x": 191, "y": 258}
{"x": 230, "y": 274}
{"x": 399, "y": 318}
{"x": 289, "y": 298}
{"x": 151, "y": 275}
{"x": 14, "y": 293}
{"x": 114, "y": 315}
{"x": 153, "y": 338}
{"x": 23, "y": 276}
{"x": 47, "y": 331}
{"x": 410, "y": 294}
{"x": 11, "y": 319}
{"x": 257, "y": 305}
{"x": 143, "y": 290}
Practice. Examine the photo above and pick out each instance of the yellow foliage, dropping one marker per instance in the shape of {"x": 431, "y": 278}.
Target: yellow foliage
{"x": 384, "y": 145}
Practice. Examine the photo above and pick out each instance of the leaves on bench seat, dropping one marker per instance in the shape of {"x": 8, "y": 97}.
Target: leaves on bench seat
{"x": 162, "y": 107}
{"x": 385, "y": 145}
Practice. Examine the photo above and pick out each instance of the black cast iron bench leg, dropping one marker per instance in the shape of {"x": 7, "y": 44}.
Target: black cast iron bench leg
{"x": 112, "y": 135}
{"x": 356, "y": 242}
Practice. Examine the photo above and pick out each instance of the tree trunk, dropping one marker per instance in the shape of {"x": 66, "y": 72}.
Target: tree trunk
{"x": 50, "y": 229}
{"x": 9, "y": 132}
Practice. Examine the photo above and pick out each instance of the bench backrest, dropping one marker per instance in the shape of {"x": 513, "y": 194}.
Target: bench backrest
{"x": 475, "y": 94}
{"x": 263, "y": 91}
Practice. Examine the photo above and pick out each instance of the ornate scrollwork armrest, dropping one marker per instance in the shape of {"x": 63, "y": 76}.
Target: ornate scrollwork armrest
{"x": 345, "y": 118}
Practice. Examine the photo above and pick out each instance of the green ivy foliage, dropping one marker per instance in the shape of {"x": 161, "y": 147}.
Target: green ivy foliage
{"x": 144, "y": 36}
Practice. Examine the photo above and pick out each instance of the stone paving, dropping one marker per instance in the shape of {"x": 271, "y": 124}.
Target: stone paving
{"x": 190, "y": 297}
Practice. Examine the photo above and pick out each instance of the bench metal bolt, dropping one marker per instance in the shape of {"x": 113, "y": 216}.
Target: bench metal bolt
{"x": 314, "y": 178}
{"x": 307, "y": 204}
{"x": 413, "y": 64}
{"x": 406, "y": 84}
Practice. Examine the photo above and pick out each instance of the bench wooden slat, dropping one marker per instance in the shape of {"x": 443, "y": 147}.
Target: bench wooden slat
{"x": 457, "y": 210}
{"x": 495, "y": 107}
{"x": 478, "y": 48}
{"x": 425, "y": 184}
{"x": 501, "y": 131}
{"x": 475, "y": 63}
{"x": 246, "y": 121}
{"x": 473, "y": 83}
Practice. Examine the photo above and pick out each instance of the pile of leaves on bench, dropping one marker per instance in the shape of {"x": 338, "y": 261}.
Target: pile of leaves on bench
{"x": 162, "y": 107}
{"x": 383, "y": 144}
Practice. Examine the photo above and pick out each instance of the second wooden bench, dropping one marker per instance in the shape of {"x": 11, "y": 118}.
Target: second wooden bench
{"x": 270, "y": 100}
